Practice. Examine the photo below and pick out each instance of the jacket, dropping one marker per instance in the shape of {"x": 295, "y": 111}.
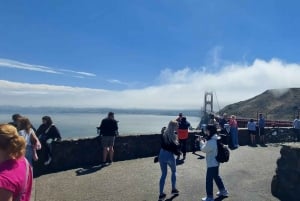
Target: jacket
{"x": 175, "y": 149}
{"x": 211, "y": 149}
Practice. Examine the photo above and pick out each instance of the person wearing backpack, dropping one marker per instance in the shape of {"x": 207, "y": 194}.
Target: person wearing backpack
{"x": 209, "y": 146}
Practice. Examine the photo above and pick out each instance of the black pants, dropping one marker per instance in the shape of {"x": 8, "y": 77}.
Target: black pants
{"x": 46, "y": 150}
{"x": 296, "y": 134}
{"x": 183, "y": 146}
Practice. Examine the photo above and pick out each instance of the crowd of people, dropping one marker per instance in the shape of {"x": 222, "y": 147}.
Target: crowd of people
{"x": 20, "y": 142}
{"x": 36, "y": 139}
{"x": 173, "y": 143}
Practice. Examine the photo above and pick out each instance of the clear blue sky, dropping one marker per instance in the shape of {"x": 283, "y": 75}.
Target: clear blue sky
{"x": 126, "y": 44}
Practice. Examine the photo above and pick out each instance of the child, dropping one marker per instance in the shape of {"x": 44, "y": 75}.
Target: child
{"x": 32, "y": 142}
{"x": 209, "y": 146}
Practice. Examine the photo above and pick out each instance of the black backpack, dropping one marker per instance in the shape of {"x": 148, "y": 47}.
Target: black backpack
{"x": 223, "y": 152}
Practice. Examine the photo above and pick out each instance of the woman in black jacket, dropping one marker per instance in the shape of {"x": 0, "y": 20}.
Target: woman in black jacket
{"x": 47, "y": 132}
{"x": 169, "y": 148}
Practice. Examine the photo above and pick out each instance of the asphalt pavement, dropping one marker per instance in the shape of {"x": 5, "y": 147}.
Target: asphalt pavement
{"x": 247, "y": 176}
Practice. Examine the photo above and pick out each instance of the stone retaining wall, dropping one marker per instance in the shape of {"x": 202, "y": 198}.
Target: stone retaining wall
{"x": 285, "y": 184}
{"x": 69, "y": 154}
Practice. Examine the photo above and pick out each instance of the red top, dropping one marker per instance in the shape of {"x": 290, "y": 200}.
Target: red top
{"x": 183, "y": 134}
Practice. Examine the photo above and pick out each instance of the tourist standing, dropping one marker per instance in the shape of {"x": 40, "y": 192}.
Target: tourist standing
{"x": 32, "y": 142}
{"x": 183, "y": 134}
{"x": 212, "y": 120}
{"x": 108, "y": 131}
{"x": 48, "y": 132}
{"x": 209, "y": 146}
{"x": 234, "y": 131}
{"x": 15, "y": 118}
{"x": 261, "y": 128}
{"x": 251, "y": 125}
{"x": 15, "y": 171}
{"x": 169, "y": 148}
{"x": 222, "y": 123}
{"x": 178, "y": 119}
{"x": 296, "y": 126}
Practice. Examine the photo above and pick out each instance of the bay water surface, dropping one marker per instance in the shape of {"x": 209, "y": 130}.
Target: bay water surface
{"x": 81, "y": 125}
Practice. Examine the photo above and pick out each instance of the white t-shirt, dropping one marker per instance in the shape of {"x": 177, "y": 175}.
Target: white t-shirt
{"x": 26, "y": 135}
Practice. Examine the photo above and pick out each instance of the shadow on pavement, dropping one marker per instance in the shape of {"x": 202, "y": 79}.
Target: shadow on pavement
{"x": 200, "y": 156}
{"x": 179, "y": 162}
{"x": 89, "y": 170}
{"x": 220, "y": 198}
{"x": 171, "y": 198}
{"x": 263, "y": 145}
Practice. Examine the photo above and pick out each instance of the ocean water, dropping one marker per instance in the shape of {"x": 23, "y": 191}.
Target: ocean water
{"x": 80, "y": 125}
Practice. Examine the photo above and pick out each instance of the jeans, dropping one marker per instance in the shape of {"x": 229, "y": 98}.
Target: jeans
{"x": 29, "y": 154}
{"x": 213, "y": 174}
{"x": 166, "y": 159}
{"x": 183, "y": 146}
{"x": 234, "y": 136}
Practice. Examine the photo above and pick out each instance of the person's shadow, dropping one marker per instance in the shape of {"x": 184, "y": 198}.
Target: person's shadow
{"x": 200, "y": 156}
{"x": 89, "y": 170}
{"x": 170, "y": 199}
{"x": 179, "y": 162}
{"x": 220, "y": 198}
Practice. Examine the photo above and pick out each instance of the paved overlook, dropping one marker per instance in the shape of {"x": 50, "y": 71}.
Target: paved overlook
{"x": 247, "y": 176}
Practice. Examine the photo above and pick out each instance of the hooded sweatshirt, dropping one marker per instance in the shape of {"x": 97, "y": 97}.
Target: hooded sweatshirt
{"x": 211, "y": 149}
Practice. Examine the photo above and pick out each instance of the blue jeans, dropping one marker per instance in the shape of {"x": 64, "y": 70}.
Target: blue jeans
{"x": 29, "y": 154}
{"x": 166, "y": 159}
{"x": 234, "y": 136}
{"x": 213, "y": 174}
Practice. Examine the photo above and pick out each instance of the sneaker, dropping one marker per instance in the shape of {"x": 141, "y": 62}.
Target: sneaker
{"x": 223, "y": 193}
{"x": 207, "y": 199}
{"x": 162, "y": 196}
{"x": 48, "y": 161}
{"x": 175, "y": 191}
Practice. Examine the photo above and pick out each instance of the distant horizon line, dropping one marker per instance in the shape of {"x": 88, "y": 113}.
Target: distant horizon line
{"x": 52, "y": 109}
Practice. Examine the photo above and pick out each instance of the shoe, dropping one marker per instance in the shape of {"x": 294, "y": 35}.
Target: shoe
{"x": 223, "y": 193}
{"x": 48, "y": 161}
{"x": 207, "y": 199}
{"x": 162, "y": 196}
{"x": 175, "y": 191}
{"x": 155, "y": 159}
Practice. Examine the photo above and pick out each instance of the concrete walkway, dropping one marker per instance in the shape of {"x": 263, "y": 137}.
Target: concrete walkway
{"x": 247, "y": 176}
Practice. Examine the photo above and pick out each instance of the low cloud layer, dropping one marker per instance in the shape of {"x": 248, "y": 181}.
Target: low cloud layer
{"x": 183, "y": 89}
